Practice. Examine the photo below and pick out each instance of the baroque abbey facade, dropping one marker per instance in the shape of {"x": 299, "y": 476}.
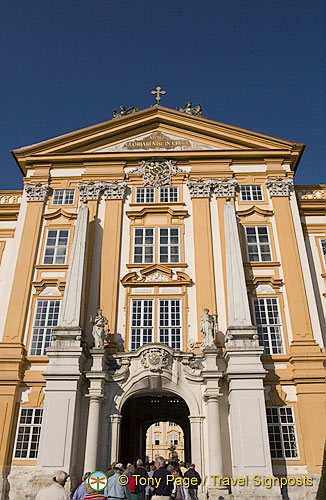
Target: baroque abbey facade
{"x": 208, "y": 267}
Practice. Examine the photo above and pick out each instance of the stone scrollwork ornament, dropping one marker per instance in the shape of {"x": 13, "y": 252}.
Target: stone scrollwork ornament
{"x": 225, "y": 188}
{"x": 199, "y": 189}
{"x": 279, "y": 187}
{"x": 190, "y": 110}
{"x": 100, "y": 329}
{"x": 37, "y": 192}
{"x": 124, "y": 111}
{"x": 157, "y": 172}
{"x": 89, "y": 191}
{"x": 155, "y": 359}
{"x": 114, "y": 191}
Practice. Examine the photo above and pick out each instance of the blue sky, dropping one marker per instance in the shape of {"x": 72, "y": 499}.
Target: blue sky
{"x": 256, "y": 64}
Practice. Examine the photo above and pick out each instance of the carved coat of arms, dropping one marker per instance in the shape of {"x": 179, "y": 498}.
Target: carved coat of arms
{"x": 154, "y": 359}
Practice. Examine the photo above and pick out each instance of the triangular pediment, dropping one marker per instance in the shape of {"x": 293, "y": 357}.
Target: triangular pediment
{"x": 156, "y": 129}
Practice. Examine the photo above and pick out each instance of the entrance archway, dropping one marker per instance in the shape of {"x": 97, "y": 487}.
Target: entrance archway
{"x": 140, "y": 412}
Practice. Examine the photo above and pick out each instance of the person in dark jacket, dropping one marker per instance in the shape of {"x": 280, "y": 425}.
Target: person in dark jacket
{"x": 142, "y": 472}
{"x": 193, "y": 488}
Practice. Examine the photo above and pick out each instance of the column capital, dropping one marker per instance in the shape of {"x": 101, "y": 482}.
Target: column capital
{"x": 199, "y": 189}
{"x": 89, "y": 191}
{"x": 116, "y": 418}
{"x": 279, "y": 187}
{"x": 114, "y": 191}
{"x": 226, "y": 189}
{"x": 196, "y": 419}
{"x": 37, "y": 192}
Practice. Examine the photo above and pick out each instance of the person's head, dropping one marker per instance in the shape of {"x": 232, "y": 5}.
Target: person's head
{"x": 152, "y": 467}
{"x": 86, "y": 475}
{"x": 130, "y": 470}
{"x": 88, "y": 489}
{"x": 60, "y": 477}
{"x": 159, "y": 462}
{"x": 139, "y": 462}
{"x": 118, "y": 468}
{"x": 181, "y": 464}
{"x": 170, "y": 468}
{"x": 177, "y": 472}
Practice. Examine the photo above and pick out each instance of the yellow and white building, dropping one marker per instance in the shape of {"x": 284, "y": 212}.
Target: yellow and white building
{"x": 154, "y": 217}
{"x": 165, "y": 439}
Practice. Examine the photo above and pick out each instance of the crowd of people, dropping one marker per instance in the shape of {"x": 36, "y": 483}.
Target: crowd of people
{"x": 152, "y": 481}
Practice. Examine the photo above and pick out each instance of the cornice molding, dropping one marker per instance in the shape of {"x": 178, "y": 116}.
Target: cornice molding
{"x": 254, "y": 210}
{"x": 58, "y": 213}
{"x": 159, "y": 210}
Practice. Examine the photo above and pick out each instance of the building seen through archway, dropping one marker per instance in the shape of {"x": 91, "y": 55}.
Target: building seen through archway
{"x": 165, "y": 439}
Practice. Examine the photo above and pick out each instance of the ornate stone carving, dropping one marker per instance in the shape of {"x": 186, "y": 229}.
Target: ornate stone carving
{"x": 199, "y": 189}
{"x": 157, "y": 172}
{"x": 37, "y": 192}
{"x": 100, "y": 329}
{"x": 196, "y": 110}
{"x": 123, "y": 111}
{"x": 157, "y": 276}
{"x": 154, "y": 359}
{"x": 224, "y": 188}
{"x": 114, "y": 191}
{"x": 279, "y": 187}
{"x": 89, "y": 191}
{"x": 207, "y": 327}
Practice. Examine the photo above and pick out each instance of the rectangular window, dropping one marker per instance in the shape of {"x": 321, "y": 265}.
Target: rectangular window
{"x": 63, "y": 197}
{"x": 143, "y": 245}
{"x": 323, "y": 249}
{"x": 145, "y": 195}
{"x": 258, "y": 244}
{"x": 172, "y": 424}
{"x": 281, "y": 431}
{"x": 56, "y": 246}
{"x": 157, "y": 424}
{"x": 268, "y": 322}
{"x": 169, "y": 194}
{"x": 251, "y": 193}
{"x": 142, "y": 323}
{"x": 156, "y": 439}
{"x": 170, "y": 323}
{"x": 169, "y": 244}
{"x": 46, "y": 317}
{"x": 28, "y": 433}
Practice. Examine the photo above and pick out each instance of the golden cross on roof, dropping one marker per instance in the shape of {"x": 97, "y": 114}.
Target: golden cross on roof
{"x": 158, "y": 92}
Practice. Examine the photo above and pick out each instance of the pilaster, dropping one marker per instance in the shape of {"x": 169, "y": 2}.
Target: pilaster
{"x": 113, "y": 193}
{"x": 200, "y": 192}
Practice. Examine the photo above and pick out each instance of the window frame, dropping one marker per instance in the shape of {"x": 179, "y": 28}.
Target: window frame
{"x": 258, "y": 244}
{"x": 170, "y": 327}
{"x": 143, "y": 245}
{"x": 31, "y": 426}
{"x": 169, "y": 245}
{"x": 281, "y": 425}
{"x": 251, "y": 192}
{"x": 323, "y": 250}
{"x": 268, "y": 325}
{"x": 146, "y": 189}
{"x": 141, "y": 342}
{"x": 64, "y": 197}
{"x": 56, "y": 246}
{"x": 44, "y": 327}
{"x": 169, "y": 188}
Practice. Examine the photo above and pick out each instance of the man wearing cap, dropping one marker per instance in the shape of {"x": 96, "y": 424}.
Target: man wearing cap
{"x": 56, "y": 490}
{"x": 114, "y": 490}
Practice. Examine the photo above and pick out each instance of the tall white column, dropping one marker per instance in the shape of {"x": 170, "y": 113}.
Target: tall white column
{"x": 92, "y": 433}
{"x": 245, "y": 373}
{"x": 115, "y": 421}
{"x": 214, "y": 435}
{"x": 196, "y": 439}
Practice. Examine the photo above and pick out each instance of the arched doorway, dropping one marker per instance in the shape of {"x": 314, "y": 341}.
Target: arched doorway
{"x": 140, "y": 412}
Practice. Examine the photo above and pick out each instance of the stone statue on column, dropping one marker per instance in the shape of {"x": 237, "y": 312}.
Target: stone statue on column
{"x": 207, "y": 327}
{"x": 100, "y": 328}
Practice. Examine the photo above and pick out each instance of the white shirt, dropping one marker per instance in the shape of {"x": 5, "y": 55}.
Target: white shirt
{"x": 53, "y": 492}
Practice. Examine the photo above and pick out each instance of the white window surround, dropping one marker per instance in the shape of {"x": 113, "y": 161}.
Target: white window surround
{"x": 251, "y": 192}
{"x": 169, "y": 245}
{"x": 145, "y": 195}
{"x": 169, "y": 194}
{"x": 282, "y": 433}
{"x": 56, "y": 246}
{"x": 28, "y": 433}
{"x": 63, "y": 197}
{"x": 267, "y": 318}
{"x": 46, "y": 316}
{"x": 145, "y": 328}
{"x": 143, "y": 245}
{"x": 258, "y": 243}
